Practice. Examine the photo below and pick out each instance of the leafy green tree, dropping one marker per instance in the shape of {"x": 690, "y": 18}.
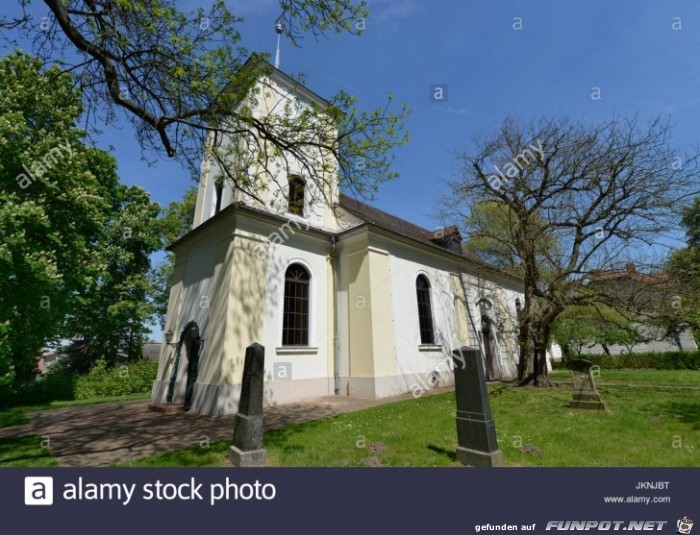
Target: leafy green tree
{"x": 491, "y": 230}
{"x": 691, "y": 222}
{"x": 115, "y": 309}
{"x": 175, "y": 222}
{"x": 57, "y": 196}
{"x": 184, "y": 82}
{"x": 76, "y": 243}
{"x": 600, "y": 191}
{"x": 580, "y": 326}
{"x": 684, "y": 267}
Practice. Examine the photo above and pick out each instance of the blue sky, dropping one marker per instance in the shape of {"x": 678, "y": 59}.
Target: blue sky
{"x": 627, "y": 48}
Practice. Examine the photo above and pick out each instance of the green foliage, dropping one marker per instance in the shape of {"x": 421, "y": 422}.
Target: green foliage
{"x": 177, "y": 217}
{"x": 600, "y": 191}
{"x": 25, "y": 451}
{"x": 75, "y": 243}
{"x": 181, "y": 77}
{"x": 101, "y": 381}
{"x": 56, "y": 199}
{"x": 175, "y": 222}
{"x": 691, "y": 221}
{"x": 580, "y": 326}
{"x": 44, "y": 389}
{"x": 114, "y": 310}
{"x": 668, "y": 360}
{"x": 684, "y": 267}
{"x": 160, "y": 278}
{"x": 62, "y": 384}
{"x": 494, "y": 228}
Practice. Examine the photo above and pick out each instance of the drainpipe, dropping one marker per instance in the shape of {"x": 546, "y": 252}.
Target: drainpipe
{"x": 336, "y": 339}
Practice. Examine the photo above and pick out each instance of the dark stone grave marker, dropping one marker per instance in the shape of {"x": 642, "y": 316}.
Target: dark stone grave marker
{"x": 476, "y": 430}
{"x": 248, "y": 447}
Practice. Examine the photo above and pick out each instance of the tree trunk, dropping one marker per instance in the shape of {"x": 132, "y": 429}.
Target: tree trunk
{"x": 533, "y": 357}
{"x": 526, "y": 354}
{"x": 542, "y": 376}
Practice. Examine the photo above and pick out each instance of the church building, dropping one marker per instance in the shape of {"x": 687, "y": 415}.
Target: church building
{"x": 346, "y": 299}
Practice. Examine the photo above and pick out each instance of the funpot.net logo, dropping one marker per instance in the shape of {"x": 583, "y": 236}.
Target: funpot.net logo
{"x": 684, "y": 525}
{"x": 606, "y": 525}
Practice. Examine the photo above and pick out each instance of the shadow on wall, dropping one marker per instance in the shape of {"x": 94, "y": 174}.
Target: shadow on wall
{"x": 249, "y": 280}
{"x": 246, "y": 279}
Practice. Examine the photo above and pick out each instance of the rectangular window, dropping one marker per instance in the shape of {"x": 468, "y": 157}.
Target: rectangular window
{"x": 218, "y": 195}
{"x": 296, "y": 195}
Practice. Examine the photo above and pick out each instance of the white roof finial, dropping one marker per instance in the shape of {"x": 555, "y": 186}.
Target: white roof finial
{"x": 279, "y": 28}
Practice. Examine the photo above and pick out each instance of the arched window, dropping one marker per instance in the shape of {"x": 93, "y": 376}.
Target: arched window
{"x": 295, "y": 324}
{"x": 297, "y": 186}
{"x": 425, "y": 311}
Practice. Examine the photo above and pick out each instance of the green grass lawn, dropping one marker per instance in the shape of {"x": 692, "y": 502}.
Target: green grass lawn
{"x": 646, "y": 426}
{"x": 18, "y": 415}
{"x": 25, "y": 451}
{"x": 645, "y": 377}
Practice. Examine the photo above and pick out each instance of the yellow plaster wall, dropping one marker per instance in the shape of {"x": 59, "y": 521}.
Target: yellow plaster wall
{"x": 382, "y": 314}
{"x": 165, "y": 361}
{"x": 360, "y": 317}
{"x": 216, "y": 335}
{"x": 370, "y": 314}
{"x": 245, "y": 312}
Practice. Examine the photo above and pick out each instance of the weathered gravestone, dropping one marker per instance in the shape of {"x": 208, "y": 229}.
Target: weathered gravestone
{"x": 248, "y": 445}
{"x": 584, "y": 394}
{"x": 476, "y": 430}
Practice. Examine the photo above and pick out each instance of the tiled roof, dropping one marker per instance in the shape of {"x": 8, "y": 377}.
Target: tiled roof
{"x": 630, "y": 273}
{"x": 440, "y": 238}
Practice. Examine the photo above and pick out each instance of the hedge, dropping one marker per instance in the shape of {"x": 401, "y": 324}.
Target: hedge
{"x": 669, "y": 360}
{"x": 57, "y": 387}
{"x": 100, "y": 381}
{"x": 133, "y": 378}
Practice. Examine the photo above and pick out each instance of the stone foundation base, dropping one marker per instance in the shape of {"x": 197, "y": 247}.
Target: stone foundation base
{"x": 166, "y": 408}
{"x": 588, "y": 404}
{"x": 479, "y": 458}
{"x": 587, "y": 400}
{"x": 247, "y": 458}
{"x": 222, "y": 399}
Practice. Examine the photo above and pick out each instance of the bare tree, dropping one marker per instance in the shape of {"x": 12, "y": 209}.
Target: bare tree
{"x": 604, "y": 193}
{"x": 181, "y": 78}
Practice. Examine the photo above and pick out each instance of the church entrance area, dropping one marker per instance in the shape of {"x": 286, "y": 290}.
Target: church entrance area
{"x": 184, "y": 372}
